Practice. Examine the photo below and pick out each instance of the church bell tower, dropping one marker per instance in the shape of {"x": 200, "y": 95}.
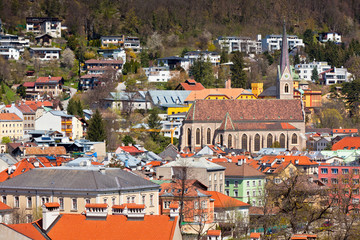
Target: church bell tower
{"x": 284, "y": 83}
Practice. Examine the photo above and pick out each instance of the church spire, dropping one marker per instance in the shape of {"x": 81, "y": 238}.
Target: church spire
{"x": 284, "y": 60}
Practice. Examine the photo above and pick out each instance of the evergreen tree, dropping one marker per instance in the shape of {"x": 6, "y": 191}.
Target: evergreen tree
{"x": 296, "y": 59}
{"x": 224, "y": 57}
{"x": 71, "y": 107}
{"x": 315, "y": 75}
{"x": 202, "y": 72}
{"x": 238, "y": 75}
{"x": 127, "y": 140}
{"x": 79, "y": 108}
{"x": 154, "y": 123}
{"x": 96, "y": 130}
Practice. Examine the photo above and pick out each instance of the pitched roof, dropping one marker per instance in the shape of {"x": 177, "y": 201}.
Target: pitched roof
{"x": 29, "y": 84}
{"x": 24, "y": 108}
{"x": 224, "y": 201}
{"x": 193, "y": 189}
{"x": 229, "y": 93}
{"x": 213, "y": 233}
{"x": 78, "y": 179}
{"x": 227, "y": 123}
{"x": 347, "y": 143}
{"x": 49, "y": 79}
{"x": 255, "y": 125}
{"x": 194, "y": 163}
{"x": 244, "y": 170}
{"x": 246, "y": 110}
{"x": 169, "y": 153}
{"x": 45, "y": 150}
{"x": 3, "y": 207}
{"x": 28, "y": 229}
{"x": 9, "y": 117}
{"x": 131, "y": 149}
{"x": 191, "y": 85}
{"x": 75, "y": 226}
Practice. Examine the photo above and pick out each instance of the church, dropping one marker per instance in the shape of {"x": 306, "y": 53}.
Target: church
{"x": 249, "y": 124}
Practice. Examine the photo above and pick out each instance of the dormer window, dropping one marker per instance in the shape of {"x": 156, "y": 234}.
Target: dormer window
{"x": 286, "y": 88}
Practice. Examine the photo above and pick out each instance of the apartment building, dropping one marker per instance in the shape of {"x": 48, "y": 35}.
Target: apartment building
{"x": 330, "y": 36}
{"x": 160, "y": 74}
{"x": 45, "y": 54}
{"x": 212, "y": 57}
{"x": 274, "y": 42}
{"x": 242, "y": 44}
{"x": 305, "y": 70}
{"x": 11, "y": 125}
{"x": 335, "y": 76}
{"x": 42, "y": 25}
{"x": 122, "y": 41}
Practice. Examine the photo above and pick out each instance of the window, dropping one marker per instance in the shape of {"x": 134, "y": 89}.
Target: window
{"x": 248, "y": 183}
{"x": 257, "y": 142}
{"x": 4, "y": 199}
{"x": 151, "y": 200}
{"x": 197, "y": 136}
{"x": 247, "y": 193}
{"x": 356, "y": 171}
{"x": 260, "y": 183}
{"x": 29, "y": 202}
{"x": 294, "y": 139}
{"x": 334, "y": 181}
{"x": 244, "y": 142}
{"x": 282, "y": 140}
{"x": 229, "y": 141}
{"x": 221, "y": 176}
{"x": 132, "y": 199}
{"x": 286, "y": 88}
{"x": 220, "y": 188}
{"x": 128, "y": 200}
{"x": 87, "y": 201}
{"x": 196, "y": 205}
{"x": 143, "y": 199}
{"x": 254, "y": 203}
{"x": 324, "y": 180}
{"x": 215, "y": 177}
{"x": 61, "y": 203}
{"x": 203, "y": 204}
{"x": 44, "y": 200}
{"x": 215, "y": 187}
{"x": 166, "y": 204}
{"x": 221, "y": 140}
{"x": 236, "y": 184}
{"x": 74, "y": 204}
{"x": 254, "y": 193}
{"x": 277, "y": 180}
{"x": 189, "y": 137}
{"x": 334, "y": 171}
{"x": 324, "y": 171}
{"x": 236, "y": 193}
{"x": 227, "y": 183}
{"x": 254, "y": 183}
{"x": 208, "y": 136}
{"x": 105, "y": 200}
{"x": 345, "y": 171}
{"x": 16, "y": 201}
{"x": 227, "y": 192}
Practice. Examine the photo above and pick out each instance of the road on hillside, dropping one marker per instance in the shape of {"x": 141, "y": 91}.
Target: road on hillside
{"x": 72, "y": 93}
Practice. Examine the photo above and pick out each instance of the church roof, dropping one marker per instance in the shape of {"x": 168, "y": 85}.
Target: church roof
{"x": 259, "y": 126}
{"x": 254, "y": 110}
{"x": 227, "y": 124}
{"x": 269, "y": 92}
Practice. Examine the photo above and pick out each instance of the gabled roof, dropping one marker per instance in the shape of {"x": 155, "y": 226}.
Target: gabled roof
{"x": 75, "y": 226}
{"x": 131, "y": 149}
{"x": 227, "y": 123}
{"x": 242, "y": 171}
{"x": 49, "y": 79}
{"x": 45, "y": 150}
{"x": 4, "y": 117}
{"x": 169, "y": 153}
{"x": 193, "y": 188}
{"x": 29, "y": 84}
{"x": 278, "y": 110}
{"x": 190, "y": 85}
{"x": 30, "y": 230}
{"x": 24, "y": 108}
{"x": 224, "y": 201}
{"x": 4, "y": 207}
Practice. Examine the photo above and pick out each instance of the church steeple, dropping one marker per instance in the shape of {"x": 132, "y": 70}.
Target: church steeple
{"x": 284, "y": 83}
{"x": 284, "y": 60}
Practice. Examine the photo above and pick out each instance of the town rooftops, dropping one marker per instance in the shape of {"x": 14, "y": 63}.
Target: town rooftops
{"x": 4, "y": 207}
{"x": 344, "y": 131}
{"x": 195, "y": 163}
{"x": 241, "y": 171}
{"x": 6, "y": 117}
{"x": 45, "y": 150}
{"x": 30, "y": 230}
{"x": 347, "y": 143}
{"x": 61, "y": 114}
{"x": 246, "y": 110}
{"x": 25, "y": 109}
{"x": 79, "y": 179}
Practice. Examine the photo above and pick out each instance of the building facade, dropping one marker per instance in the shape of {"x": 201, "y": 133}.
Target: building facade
{"x": 11, "y": 125}
{"x": 42, "y": 25}
{"x": 241, "y": 44}
{"x": 274, "y": 42}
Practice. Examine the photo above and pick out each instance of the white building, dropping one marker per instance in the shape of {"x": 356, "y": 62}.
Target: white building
{"x": 121, "y": 41}
{"x": 41, "y": 25}
{"x": 174, "y": 122}
{"x": 305, "y": 70}
{"x": 213, "y": 57}
{"x": 14, "y": 41}
{"x": 173, "y": 62}
{"x": 9, "y": 52}
{"x": 242, "y": 44}
{"x": 45, "y": 54}
{"x": 330, "y": 36}
{"x": 59, "y": 121}
{"x": 159, "y": 74}
{"x": 336, "y": 76}
{"x": 273, "y": 42}
{"x": 117, "y": 54}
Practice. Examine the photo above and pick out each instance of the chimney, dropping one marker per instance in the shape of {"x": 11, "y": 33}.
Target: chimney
{"x": 228, "y": 83}
{"x": 240, "y": 162}
{"x": 102, "y": 170}
{"x": 174, "y": 210}
{"x": 50, "y": 213}
{"x": 49, "y": 76}
{"x": 96, "y": 211}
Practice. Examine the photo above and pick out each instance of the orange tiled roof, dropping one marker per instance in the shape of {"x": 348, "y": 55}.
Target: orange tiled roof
{"x": 75, "y": 226}
{"x": 96, "y": 205}
{"x": 9, "y": 117}
{"x": 3, "y": 206}
{"x": 347, "y": 143}
{"x": 27, "y": 229}
{"x": 131, "y": 205}
{"x": 52, "y": 204}
{"x": 214, "y": 232}
{"x": 175, "y": 188}
{"x": 185, "y": 155}
{"x": 192, "y": 85}
{"x": 122, "y": 206}
{"x": 229, "y": 93}
{"x": 131, "y": 149}
{"x": 46, "y": 151}
{"x": 48, "y": 79}
{"x": 39, "y": 103}
{"x": 344, "y": 130}
{"x": 255, "y": 235}
{"x": 224, "y": 201}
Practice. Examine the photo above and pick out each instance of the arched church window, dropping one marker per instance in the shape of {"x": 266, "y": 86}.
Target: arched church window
{"x": 244, "y": 142}
{"x": 189, "y": 137}
{"x": 294, "y": 139}
{"x": 257, "y": 142}
{"x": 221, "y": 140}
{"x": 282, "y": 140}
{"x": 269, "y": 141}
{"x": 208, "y": 136}
{"x": 197, "y": 136}
{"x": 229, "y": 141}
{"x": 286, "y": 88}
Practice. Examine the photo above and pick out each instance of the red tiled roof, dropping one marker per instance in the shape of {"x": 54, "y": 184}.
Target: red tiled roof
{"x": 344, "y": 130}
{"x": 278, "y": 110}
{"x": 154, "y": 163}
{"x": 174, "y": 205}
{"x": 48, "y": 79}
{"x": 214, "y": 232}
{"x": 3, "y": 206}
{"x": 46, "y": 150}
{"x": 27, "y": 229}
{"x": 185, "y": 155}
{"x": 175, "y": 188}
{"x": 224, "y": 201}
{"x": 96, "y": 163}
{"x": 347, "y": 143}
{"x": 29, "y": 84}
{"x": 192, "y": 85}
{"x": 75, "y": 226}
{"x": 96, "y": 205}
{"x": 39, "y": 103}
{"x": 9, "y": 117}
{"x": 131, "y": 149}
{"x": 52, "y": 204}
{"x": 255, "y": 235}
{"x": 24, "y": 108}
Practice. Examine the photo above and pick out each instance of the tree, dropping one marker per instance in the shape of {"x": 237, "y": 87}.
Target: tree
{"x": 154, "y": 123}
{"x": 71, "y": 107}
{"x": 351, "y": 93}
{"x": 155, "y": 45}
{"x": 21, "y": 90}
{"x": 96, "y": 130}
{"x": 5, "y": 140}
{"x": 330, "y": 118}
{"x": 127, "y": 139}
{"x": 202, "y": 72}
{"x": 68, "y": 58}
{"x": 238, "y": 75}
{"x": 315, "y": 75}
{"x": 224, "y": 58}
